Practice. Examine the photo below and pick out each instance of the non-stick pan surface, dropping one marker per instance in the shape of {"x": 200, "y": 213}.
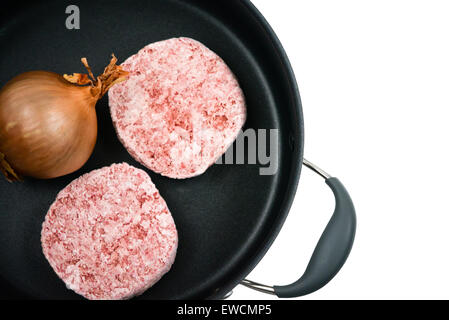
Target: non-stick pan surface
{"x": 227, "y": 217}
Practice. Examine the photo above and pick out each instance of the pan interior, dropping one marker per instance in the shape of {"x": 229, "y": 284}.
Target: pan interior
{"x": 226, "y": 217}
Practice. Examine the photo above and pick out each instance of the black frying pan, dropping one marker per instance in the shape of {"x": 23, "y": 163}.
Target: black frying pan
{"x": 228, "y": 217}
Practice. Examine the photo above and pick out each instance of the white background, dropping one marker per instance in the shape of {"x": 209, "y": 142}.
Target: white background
{"x": 374, "y": 79}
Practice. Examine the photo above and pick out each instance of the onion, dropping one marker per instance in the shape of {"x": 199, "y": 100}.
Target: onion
{"x": 48, "y": 122}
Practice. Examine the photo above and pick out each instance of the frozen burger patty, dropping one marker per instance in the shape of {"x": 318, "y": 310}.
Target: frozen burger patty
{"x": 109, "y": 234}
{"x": 181, "y": 108}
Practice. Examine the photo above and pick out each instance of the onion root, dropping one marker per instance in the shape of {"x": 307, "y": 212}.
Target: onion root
{"x": 7, "y": 170}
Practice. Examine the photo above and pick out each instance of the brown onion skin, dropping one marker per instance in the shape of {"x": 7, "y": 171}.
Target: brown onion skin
{"x": 48, "y": 126}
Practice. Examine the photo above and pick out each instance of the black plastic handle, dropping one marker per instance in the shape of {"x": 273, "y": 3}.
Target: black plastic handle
{"x": 332, "y": 249}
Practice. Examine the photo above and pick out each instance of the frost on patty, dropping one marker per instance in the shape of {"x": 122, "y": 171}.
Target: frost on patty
{"x": 180, "y": 109}
{"x": 109, "y": 234}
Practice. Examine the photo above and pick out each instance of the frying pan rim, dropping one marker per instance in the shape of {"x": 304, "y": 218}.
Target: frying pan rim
{"x": 298, "y": 139}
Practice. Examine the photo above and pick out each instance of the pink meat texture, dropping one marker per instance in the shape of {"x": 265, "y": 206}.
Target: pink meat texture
{"x": 181, "y": 108}
{"x": 109, "y": 234}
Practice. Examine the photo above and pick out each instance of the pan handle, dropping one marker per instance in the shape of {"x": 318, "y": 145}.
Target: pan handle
{"x": 332, "y": 249}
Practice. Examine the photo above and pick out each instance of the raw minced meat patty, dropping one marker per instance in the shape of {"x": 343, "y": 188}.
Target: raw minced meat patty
{"x": 109, "y": 234}
{"x": 180, "y": 109}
